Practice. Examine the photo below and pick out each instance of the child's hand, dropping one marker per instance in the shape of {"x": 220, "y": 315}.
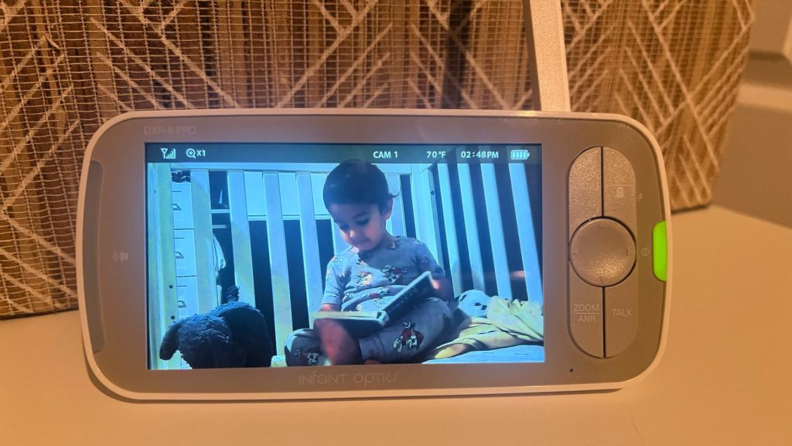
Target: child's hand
{"x": 443, "y": 288}
{"x": 330, "y": 307}
{"x": 341, "y": 348}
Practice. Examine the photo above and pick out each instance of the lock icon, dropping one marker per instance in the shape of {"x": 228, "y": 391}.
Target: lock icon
{"x": 619, "y": 192}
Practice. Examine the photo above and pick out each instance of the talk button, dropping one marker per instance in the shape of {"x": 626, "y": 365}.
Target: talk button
{"x": 621, "y": 315}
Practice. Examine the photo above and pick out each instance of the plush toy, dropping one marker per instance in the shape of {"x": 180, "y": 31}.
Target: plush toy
{"x": 232, "y": 335}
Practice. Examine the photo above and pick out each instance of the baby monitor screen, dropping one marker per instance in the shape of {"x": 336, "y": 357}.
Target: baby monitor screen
{"x": 281, "y": 255}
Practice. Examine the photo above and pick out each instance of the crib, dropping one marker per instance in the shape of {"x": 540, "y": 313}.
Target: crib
{"x": 464, "y": 213}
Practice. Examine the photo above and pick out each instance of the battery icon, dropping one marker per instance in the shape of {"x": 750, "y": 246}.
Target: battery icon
{"x": 520, "y": 155}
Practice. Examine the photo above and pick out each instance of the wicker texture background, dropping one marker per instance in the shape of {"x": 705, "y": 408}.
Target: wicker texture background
{"x": 66, "y": 66}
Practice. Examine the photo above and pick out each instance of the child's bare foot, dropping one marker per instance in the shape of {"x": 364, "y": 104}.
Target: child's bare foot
{"x": 340, "y": 347}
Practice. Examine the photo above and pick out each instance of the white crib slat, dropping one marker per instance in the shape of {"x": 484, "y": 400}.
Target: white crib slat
{"x": 254, "y": 190}
{"x": 389, "y": 224}
{"x": 471, "y": 227}
{"x": 396, "y": 224}
{"x": 310, "y": 244}
{"x": 205, "y": 268}
{"x": 318, "y": 186}
{"x": 525, "y": 231}
{"x": 424, "y": 213}
{"x": 449, "y": 225}
{"x": 288, "y": 192}
{"x": 339, "y": 244}
{"x": 317, "y": 182}
{"x": 279, "y": 267}
{"x": 497, "y": 240}
{"x": 240, "y": 237}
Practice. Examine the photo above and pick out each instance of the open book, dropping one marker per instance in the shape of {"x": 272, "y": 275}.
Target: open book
{"x": 362, "y": 323}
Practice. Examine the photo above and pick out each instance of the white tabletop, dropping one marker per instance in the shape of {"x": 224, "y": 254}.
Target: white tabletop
{"x": 726, "y": 377}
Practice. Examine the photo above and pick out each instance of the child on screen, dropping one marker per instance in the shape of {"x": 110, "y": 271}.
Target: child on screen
{"x": 365, "y": 276}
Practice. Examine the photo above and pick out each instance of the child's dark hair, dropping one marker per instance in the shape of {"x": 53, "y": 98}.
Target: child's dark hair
{"x": 356, "y": 181}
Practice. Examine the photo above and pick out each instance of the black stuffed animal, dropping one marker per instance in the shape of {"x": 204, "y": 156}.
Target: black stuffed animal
{"x": 232, "y": 335}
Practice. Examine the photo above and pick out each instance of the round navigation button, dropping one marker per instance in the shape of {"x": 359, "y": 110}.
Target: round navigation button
{"x": 602, "y": 252}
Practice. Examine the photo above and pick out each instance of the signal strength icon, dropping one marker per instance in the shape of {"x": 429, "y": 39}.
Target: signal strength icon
{"x": 168, "y": 154}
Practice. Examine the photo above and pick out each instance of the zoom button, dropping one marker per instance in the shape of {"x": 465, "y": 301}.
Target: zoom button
{"x": 585, "y": 315}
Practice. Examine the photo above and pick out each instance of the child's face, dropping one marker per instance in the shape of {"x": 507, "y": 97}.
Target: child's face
{"x": 362, "y": 225}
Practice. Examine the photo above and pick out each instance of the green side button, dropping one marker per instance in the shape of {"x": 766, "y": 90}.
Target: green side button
{"x": 659, "y": 251}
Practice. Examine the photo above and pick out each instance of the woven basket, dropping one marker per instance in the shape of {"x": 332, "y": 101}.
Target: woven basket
{"x": 68, "y": 66}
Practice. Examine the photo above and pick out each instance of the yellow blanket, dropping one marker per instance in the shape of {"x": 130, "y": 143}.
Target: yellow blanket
{"x": 508, "y": 322}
